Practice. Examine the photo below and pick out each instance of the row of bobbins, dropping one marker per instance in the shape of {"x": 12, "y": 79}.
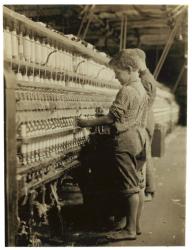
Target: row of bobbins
{"x": 23, "y": 45}
{"x": 61, "y": 80}
{"x": 50, "y": 126}
{"x": 44, "y": 149}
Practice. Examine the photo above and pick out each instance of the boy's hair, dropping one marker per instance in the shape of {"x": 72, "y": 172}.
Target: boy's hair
{"x": 126, "y": 58}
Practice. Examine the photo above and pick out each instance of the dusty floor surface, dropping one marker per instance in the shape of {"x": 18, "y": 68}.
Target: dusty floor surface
{"x": 164, "y": 218}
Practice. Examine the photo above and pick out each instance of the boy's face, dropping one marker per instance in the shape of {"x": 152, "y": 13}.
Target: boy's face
{"x": 122, "y": 75}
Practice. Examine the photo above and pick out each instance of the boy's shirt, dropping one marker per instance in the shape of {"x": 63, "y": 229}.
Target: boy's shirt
{"x": 150, "y": 85}
{"x": 129, "y": 111}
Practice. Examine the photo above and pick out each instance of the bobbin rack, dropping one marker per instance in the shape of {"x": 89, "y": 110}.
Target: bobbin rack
{"x": 49, "y": 81}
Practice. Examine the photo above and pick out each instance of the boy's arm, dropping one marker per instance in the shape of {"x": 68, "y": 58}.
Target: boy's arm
{"x": 150, "y": 84}
{"x": 103, "y": 120}
{"x": 116, "y": 111}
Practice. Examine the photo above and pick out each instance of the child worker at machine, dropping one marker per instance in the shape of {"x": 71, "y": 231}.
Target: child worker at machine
{"x": 127, "y": 117}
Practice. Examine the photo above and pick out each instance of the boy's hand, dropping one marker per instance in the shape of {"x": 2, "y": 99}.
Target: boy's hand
{"x": 141, "y": 65}
{"x": 81, "y": 122}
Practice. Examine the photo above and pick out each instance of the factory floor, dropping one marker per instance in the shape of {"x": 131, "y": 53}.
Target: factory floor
{"x": 163, "y": 221}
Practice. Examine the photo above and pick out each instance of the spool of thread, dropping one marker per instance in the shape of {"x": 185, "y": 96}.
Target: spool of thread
{"x": 23, "y": 149}
{"x": 19, "y": 76}
{"x": 37, "y": 79}
{"x": 37, "y": 155}
{"x": 67, "y": 59}
{"x": 25, "y": 78}
{"x": 70, "y": 62}
{"x": 41, "y": 80}
{"x": 57, "y": 59}
{"x": 51, "y": 81}
{"x": 23, "y": 130}
{"x": 38, "y": 58}
{"x": 20, "y": 46}
{"x": 63, "y": 60}
{"x": 44, "y": 52}
{"x": 33, "y": 152}
{"x": 31, "y": 78}
{"x": 60, "y": 59}
{"x": 32, "y": 42}
{"x": 15, "y": 47}
{"x": 52, "y": 57}
{"x": 30, "y": 147}
{"x": 27, "y": 48}
{"x": 7, "y": 44}
{"x": 48, "y": 52}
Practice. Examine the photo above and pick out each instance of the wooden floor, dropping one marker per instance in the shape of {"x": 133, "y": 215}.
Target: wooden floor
{"x": 163, "y": 221}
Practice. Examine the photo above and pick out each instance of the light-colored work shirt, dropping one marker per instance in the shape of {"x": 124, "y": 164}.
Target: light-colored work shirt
{"x": 129, "y": 111}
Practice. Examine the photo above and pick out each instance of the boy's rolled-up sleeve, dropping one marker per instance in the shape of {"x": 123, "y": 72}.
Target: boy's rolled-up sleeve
{"x": 119, "y": 106}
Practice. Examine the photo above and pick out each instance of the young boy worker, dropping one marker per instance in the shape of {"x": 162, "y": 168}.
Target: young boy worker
{"x": 127, "y": 117}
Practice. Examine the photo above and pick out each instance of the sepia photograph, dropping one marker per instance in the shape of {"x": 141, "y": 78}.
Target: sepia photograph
{"x": 95, "y": 124}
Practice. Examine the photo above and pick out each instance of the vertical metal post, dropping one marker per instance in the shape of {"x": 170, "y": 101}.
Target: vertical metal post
{"x": 88, "y": 15}
{"x": 10, "y": 158}
{"x": 179, "y": 78}
{"x": 87, "y": 26}
{"x": 121, "y": 35}
{"x": 82, "y": 22}
{"x": 167, "y": 47}
{"x": 125, "y": 32}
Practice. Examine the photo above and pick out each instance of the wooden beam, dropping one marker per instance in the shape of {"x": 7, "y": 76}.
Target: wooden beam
{"x": 146, "y": 22}
{"x": 130, "y": 8}
{"x": 32, "y": 11}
